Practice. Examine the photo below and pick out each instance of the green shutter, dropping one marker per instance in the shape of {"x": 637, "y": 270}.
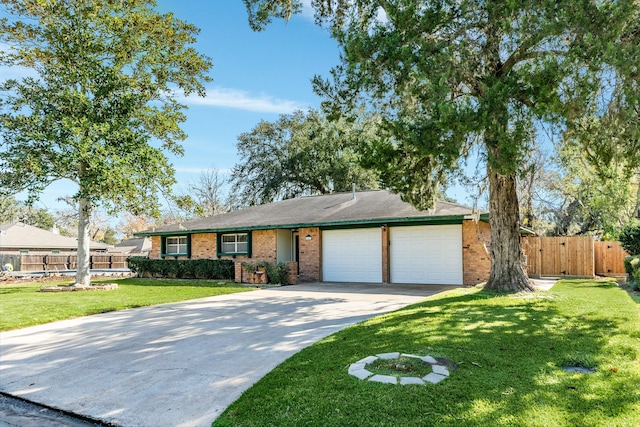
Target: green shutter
{"x": 188, "y": 245}
{"x": 249, "y": 245}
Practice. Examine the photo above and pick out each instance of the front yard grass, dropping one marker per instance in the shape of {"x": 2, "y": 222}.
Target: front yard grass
{"x": 22, "y": 305}
{"x": 509, "y": 349}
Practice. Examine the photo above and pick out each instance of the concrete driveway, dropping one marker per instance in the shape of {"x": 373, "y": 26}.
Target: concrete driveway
{"x": 182, "y": 364}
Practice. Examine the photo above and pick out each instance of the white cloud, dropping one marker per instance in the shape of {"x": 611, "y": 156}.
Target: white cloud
{"x": 242, "y": 100}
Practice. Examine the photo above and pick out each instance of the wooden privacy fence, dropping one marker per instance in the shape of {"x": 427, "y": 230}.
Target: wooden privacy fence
{"x": 33, "y": 262}
{"x": 609, "y": 258}
{"x": 578, "y": 256}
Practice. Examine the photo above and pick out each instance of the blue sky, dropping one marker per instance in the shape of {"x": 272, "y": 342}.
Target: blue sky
{"x": 256, "y": 76}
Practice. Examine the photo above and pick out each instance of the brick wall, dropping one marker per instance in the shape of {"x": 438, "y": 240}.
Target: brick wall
{"x": 264, "y": 245}
{"x": 154, "y": 253}
{"x": 310, "y": 251}
{"x": 476, "y": 258}
{"x": 203, "y": 246}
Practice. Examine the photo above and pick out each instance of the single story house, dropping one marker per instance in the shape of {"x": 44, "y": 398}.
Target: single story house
{"x": 24, "y": 238}
{"x": 368, "y": 236}
{"x": 137, "y": 246}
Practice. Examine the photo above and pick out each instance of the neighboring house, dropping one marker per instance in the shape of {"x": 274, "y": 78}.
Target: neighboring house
{"x": 138, "y": 246}
{"x": 370, "y": 236}
{"x": 23, "y": 238}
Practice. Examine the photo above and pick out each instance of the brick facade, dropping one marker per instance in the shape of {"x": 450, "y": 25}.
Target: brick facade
{"x": 476, "y": 258}
{"x": 203, "y": 246}
{"x": 154, "y": 253}
{"x": 310, "y": 254}
{"x": 264, "y": 246}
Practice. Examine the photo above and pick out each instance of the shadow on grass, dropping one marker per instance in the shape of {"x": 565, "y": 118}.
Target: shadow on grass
{"x": 509, "y": 350}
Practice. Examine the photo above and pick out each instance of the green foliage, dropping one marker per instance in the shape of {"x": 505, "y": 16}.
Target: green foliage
{"x": 509, "y": 351}
{"x": 99, "y": 103}
{"x": 632, "y": 268}
{"x": 12, "y": 210}
{"x": 104, "y": 80}
{"x": 451, "y": 78}
{"x": 176, "y": 268}
{"x": 23, "y": 305}
{"x": 261, "y": 12}
{"x": 629, "y": 237}
{"x": 299, "y": 154}
{"x": 277, "y": 273}
{"x": 110, "y": 236}
{"x": 591, "y": 199}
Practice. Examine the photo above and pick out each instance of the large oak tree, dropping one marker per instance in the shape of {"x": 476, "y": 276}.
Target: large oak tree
{"x": 299, "y": 154}
{"x": 448, "y": 75}
{"x": 98, "y": 104}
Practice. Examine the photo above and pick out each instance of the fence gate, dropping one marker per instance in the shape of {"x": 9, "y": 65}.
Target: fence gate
{"x": 609, "y": 258}
{"x": 559, "y": 256}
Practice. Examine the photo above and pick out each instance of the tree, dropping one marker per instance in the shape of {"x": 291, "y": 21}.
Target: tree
{"x": 206, "y": 196}
{"x": 448, "y": 75}
{"x": 629, "y": 237}
{"x": 109, "y": 236}
{"x": 130, "y": 224}
{"x": 14, "y": 210}
{"x": 590, "y": 200}
{"x": 299, "y": 154}
{"x": 100, "y": 107}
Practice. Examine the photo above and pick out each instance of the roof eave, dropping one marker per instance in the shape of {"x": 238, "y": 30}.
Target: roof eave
{"x": 425, "y": 220}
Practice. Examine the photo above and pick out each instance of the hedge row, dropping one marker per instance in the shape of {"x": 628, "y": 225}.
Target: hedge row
{"x": 632, "y": 267}
{"x": 221, "y": 269}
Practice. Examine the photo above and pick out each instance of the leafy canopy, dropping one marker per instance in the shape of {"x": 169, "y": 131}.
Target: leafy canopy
{"x": 98, "y": 103}
{"x": 299, "y": 154}
{"x": 449, "y": 74}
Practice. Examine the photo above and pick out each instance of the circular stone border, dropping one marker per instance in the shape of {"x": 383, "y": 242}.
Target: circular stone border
{"x": 359, "y": 370}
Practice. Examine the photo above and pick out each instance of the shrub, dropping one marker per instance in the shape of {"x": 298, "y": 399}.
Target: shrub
{"x": 183, "y": 268}
{"x": 629, "y": 237}
{"x": 276, "y": 273}
{"x": 632, "y": 267}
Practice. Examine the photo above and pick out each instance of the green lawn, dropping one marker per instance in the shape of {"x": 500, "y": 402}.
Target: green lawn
{"x": 509, "y": 350}
{"x": 23, "y": 305}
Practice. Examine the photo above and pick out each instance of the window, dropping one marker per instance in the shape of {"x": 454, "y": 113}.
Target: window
{"x": 235, "y": 243}
{"x": 176, "y": 245}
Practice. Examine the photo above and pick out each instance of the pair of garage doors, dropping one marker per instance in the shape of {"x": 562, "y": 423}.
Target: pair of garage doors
{"x": 430, "y": 254}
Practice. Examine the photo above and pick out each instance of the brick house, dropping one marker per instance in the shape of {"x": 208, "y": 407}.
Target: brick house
{"x": 369, "y": 236}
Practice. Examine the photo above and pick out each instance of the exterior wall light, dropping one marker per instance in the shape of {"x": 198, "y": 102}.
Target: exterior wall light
{"x": 307, "y": 237}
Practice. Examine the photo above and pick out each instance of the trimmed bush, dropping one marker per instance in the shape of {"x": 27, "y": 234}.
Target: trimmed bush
{"x": 210, "y": 269}
{"x": 629, "y": 237}
{"x": 632, "y": 267}
{"x": 276, "y": 273}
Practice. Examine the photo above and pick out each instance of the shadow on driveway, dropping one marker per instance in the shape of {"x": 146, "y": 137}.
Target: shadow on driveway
{"x": 182, "y": 364}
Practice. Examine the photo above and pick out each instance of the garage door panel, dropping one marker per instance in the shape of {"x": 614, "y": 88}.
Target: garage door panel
{"x": 426, "y": 254}
{"x": 352, "y": 255}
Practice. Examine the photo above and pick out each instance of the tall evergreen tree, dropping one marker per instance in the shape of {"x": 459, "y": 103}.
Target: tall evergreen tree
{"x": 447, "y": 75}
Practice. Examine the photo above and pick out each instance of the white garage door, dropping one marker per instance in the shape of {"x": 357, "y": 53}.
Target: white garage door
{"x": 352, "y": 255}
{"x": 430, "y": 254}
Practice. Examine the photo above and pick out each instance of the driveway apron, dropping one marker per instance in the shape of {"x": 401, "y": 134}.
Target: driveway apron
{"x": 182, "y": 364}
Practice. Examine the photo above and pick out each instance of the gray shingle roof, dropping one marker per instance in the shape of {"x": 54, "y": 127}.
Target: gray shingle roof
{"x": 334, "y": 209}
{"x": 22, "y": 236}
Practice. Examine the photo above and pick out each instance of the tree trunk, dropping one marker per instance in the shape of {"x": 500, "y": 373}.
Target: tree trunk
{"x": 636, "y": 209}
{"x": 507, "y": 273}
{"x": 83, "y": 276}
